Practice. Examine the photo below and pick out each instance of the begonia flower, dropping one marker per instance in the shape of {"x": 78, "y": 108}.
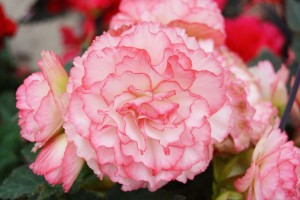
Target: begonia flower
{"x": 266, "y": 93}
{"x": 58, "y": 162}
{"x": 200, "y": 18}
{"x": 41, "y": 101}
{"x": 239, "y": 137}
{"x": 240, "y": 92}
{"x": 275, "y": 169}
{"x": 272, "y": 85}
{"x": 146, "y": 106}
{"x": 273, "y": 96}
{"x": 253, "y": 98}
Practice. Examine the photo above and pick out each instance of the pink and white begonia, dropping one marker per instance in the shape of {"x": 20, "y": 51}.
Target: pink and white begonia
{"x": 42, "y": 101}
{"x": 146, "y": 106}
{"x": 239, "y": 137}
{"x": 200, "y": 18}
{"x": 273, "y": 96}
{"x": 58, "y": 162}
{"x": 240, "y": 92}
{"x": 274, "y": 173}
{"x": 271, "y": 84}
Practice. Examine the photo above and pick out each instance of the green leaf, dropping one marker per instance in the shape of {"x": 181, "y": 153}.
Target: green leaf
{"x": 8, "y": 78}
{"x": 233, "y": 8}
{"x": 8, "y": 109}
{"x": 266, "y": 55}
{"x": 84, "y": 195}
{"x": 10, "y": 146}
{"x": 230, "y": 195}
{"x": 227, "y": 169}
{"x": 27, "y": 154}
{"x": 46, "y": 192}
{"x": 6, "y": 59}
{"x": 22, "y": 182}
{"x": 293, "y": 14}
{"x": 198, "y": 188}
{"x": 296, "y": 46}
{"x": 93, "y": 183}
{"x": 116, "y": 194}
{"x": 68, "y": 66}
{"x": 231, "y": 165}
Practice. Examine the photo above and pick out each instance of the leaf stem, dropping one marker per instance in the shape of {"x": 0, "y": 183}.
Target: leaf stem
{"x": 290, "y": 102}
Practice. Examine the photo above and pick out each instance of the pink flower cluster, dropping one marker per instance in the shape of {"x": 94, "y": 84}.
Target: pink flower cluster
{"x": 152, "y": 99}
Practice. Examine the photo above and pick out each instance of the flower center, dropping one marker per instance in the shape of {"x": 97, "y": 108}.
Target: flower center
{"x": 150, "y": 106}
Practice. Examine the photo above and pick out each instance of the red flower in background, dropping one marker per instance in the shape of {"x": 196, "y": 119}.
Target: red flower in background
{"x": 92, "y": 8}
{"x": 74, "y": 41}
{"x": 248, "y": 35}
{"x": 8, "y": 27}
{"x": 221, "y": 3}
{"x": 97, "y": 14}
{"x": 56, "y": 6}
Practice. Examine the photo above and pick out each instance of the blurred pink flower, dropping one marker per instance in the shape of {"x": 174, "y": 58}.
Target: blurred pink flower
{"x": 257, "y": 96}
{"x": 74, "y": 41}
{"x": 271, "y": 84}
{"x": 239, "y": 137}
{"x": 200, "y": 18}
{"x": 265, "y": 115}
{"x": 248, "y": 35}
{"x": 242, "y": 112}
{"x": 146, "y": 106}
{"x": 275, "y": 169}
{"x": 271, "y": 96}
